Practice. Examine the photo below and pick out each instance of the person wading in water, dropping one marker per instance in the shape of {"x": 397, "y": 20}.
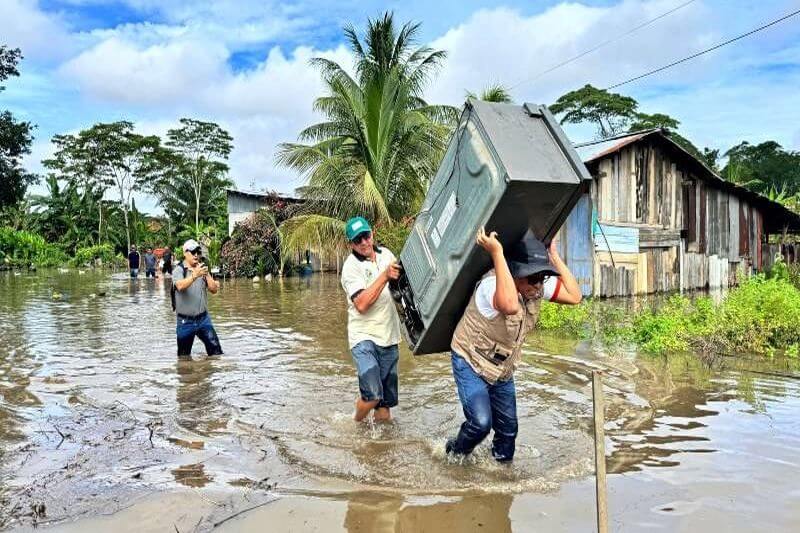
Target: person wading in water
{"x": 190, "y": 284}
{"x": 373, "y": 327}
{"x": 487, "y": 342}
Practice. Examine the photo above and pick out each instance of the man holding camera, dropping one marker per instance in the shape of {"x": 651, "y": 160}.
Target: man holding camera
{"x": 192, "y": 282}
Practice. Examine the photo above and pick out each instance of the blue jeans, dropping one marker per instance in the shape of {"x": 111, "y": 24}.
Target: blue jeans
{"x": 377, "y": 372}
{"x": 134, "y": 273}
{"x": 186, "y": 330}
{"x": 486, "y": 407}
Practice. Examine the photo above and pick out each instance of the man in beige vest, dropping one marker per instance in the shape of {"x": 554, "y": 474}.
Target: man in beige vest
{"x": 487, "y": 343}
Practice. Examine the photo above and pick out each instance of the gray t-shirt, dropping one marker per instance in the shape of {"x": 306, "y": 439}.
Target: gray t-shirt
{"x": 150, "y": 261}
{"x": 192, "y": 300}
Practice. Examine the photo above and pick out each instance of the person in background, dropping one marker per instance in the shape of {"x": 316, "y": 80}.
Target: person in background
{"x": 167, "y": 258}
{"x": 149, "y": 263}
{"x": 487, "y": 343}
{"x": 133, "y": 262}
{"x": 373, "y": 327}
{"x": 192, "y": 283}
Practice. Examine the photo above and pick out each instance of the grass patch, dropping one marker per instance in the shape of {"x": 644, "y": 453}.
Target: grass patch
{"x": 760, "y": 316}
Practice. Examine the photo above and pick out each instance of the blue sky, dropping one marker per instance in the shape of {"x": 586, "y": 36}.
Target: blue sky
{"x": 244, "y": 64}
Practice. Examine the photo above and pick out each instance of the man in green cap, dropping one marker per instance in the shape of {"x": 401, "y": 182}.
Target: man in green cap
{"x": 373, "y": 327}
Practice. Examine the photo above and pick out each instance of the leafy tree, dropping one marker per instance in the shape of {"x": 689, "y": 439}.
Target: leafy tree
{"x": 764, "y": 167}
{"x": 15, "y": 140}
{"x": 711, "y": 158}
{"x": 614, "y": 114}
{"x": 610, "y": 112}
{"x": 380, "y": 141}
{"x": 493, "y": 93}
{"x": 108, "y": 156}
{"x": 9, "y": 59}
{"x": 195, "y": 159}
{"x": 643, "y": 121}
{"x": 65, "y": 215}
{"x": 177, "y": 199}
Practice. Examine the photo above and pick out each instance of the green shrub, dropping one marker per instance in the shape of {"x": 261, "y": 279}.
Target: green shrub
{"x": 23, "y": 248}
{"x": 254, "y": 247}
{"x": 574, "y": 319}
{"x": 88, "y": 254}
{"x": 760, "y": 316}
{"x": 675, "y": 326}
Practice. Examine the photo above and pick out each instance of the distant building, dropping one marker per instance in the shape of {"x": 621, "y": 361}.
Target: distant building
{"x": 656, "y": 219}
{"x": 242, "y": 204}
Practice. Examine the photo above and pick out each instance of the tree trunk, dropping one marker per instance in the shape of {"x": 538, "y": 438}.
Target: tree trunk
{"x": 197, "y": 191}
{"x": 127, "y": 226}
{"x": 100, "y": 223}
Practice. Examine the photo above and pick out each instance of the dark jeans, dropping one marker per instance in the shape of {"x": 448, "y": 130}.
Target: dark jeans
{"x": 486, "y": 407}
{"x": 150, "y": 273}
{"x": 377, "y": 372}
{"x": 200, "y": 326}
{"x": 134, "y": 273}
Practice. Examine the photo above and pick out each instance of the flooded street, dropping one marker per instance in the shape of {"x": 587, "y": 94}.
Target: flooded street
{"x": 101, "y": 428}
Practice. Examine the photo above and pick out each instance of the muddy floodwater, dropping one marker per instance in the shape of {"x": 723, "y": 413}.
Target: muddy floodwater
{"x": 102, "y": 429}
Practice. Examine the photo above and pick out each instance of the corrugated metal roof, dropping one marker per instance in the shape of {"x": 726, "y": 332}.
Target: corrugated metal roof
{"x": 594, "y": 150}
{"x": 262, "y": 195}
{"x": 591, "y": 152}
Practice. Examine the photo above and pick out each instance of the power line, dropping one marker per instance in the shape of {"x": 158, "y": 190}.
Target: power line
{"x": 698, "y": 54}
{"x": 601, "y": 45}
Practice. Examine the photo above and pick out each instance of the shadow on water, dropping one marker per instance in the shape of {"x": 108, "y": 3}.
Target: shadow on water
{"x": 93, "y": 397}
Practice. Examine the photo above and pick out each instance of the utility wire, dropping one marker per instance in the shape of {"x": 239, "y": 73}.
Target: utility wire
{"x": 601, "y": 45}
{"x": 707, "y": 50}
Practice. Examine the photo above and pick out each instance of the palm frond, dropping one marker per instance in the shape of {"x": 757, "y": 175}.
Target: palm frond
{"x": 312, "y": 232}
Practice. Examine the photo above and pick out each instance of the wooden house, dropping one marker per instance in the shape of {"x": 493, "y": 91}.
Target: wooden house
{"x": 656, "y": 219}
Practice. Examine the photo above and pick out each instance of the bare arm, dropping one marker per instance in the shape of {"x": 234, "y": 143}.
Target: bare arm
{"x": 212, "y": 284}
{"x": 570, "y": 292}
{"x": 506, "y": 298}
{"x": 369, "y": 296}
{"x": 194, "y": 274}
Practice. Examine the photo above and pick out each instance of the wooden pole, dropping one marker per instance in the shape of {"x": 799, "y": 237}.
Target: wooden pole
{"x": 599, "y": 452}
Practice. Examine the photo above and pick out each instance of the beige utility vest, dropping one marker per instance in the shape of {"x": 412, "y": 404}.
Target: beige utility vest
{"x": 493, "y": 347}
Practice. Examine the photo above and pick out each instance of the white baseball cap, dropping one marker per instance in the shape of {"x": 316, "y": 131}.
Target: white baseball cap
{"x": 190, "y": 245}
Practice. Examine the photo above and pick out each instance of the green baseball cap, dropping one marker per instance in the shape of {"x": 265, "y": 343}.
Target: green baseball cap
{"x": 354, "y": 226}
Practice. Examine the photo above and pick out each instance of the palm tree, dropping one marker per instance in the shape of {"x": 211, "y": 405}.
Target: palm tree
{"x": 493, "y": 93}
{"x": 381, "y": 142}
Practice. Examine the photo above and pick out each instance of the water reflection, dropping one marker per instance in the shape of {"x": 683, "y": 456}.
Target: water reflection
{"x": 199, "y": 408}
{"x": 193, "y": 475}
{"x": 368, "y": 513}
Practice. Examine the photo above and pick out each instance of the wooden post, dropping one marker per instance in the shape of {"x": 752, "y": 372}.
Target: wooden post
{"x": 599, "y": 452}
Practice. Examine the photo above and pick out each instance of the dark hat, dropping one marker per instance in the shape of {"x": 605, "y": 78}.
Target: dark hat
{"x": 529, "y": 256}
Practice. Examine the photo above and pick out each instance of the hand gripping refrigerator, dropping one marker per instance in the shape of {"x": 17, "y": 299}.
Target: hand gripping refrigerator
{"x": 508, "y": 168}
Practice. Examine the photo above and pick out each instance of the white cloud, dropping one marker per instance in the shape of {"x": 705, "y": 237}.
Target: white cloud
{"x": 280, "y": 86}
{"x": 168, "y": 73}
{"x": 41, "y": 36}
{"x": 503, "y": 46}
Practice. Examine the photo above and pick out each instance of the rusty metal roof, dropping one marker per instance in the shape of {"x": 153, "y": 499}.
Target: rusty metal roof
{"x": 780, "y": 217}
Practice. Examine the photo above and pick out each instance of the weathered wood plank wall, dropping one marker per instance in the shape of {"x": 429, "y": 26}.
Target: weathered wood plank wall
{"x": 691, "y": 234}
